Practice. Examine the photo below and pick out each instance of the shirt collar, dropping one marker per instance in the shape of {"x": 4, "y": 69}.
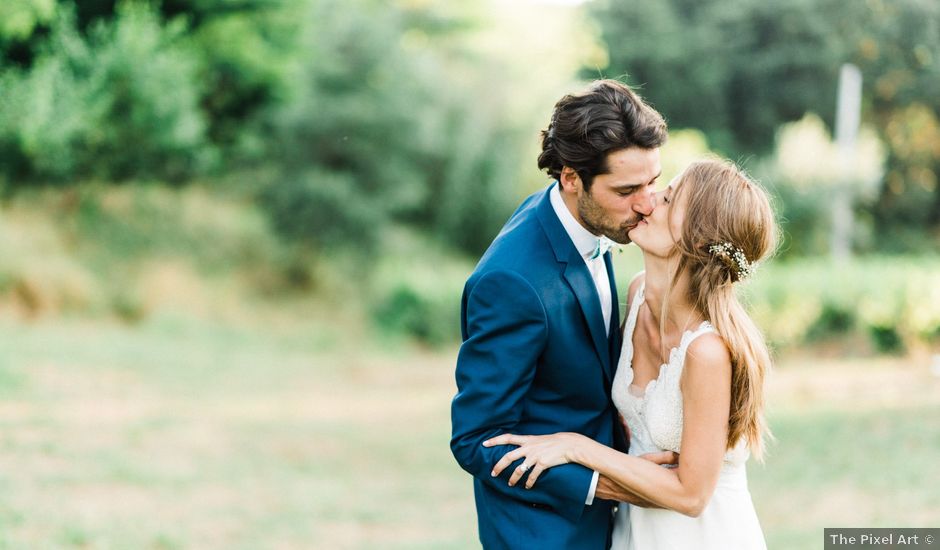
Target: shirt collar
{"x": 584, "y": 240}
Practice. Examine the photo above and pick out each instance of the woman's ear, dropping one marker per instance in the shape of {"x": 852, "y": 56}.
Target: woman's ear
{"x": 570, "y": 180}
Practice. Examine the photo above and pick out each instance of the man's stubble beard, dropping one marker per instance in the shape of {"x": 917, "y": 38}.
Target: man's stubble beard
{"x": 598, "y": 222}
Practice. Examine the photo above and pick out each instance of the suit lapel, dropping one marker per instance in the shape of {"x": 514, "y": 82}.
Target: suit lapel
{"x": 614, "y": 329}
{"x": 579, "y": 278}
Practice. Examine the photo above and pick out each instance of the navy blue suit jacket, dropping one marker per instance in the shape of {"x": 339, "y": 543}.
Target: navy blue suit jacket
{"x": 536, "y": 359}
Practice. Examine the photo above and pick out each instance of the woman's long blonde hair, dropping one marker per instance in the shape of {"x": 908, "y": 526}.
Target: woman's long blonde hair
{"x": 725, "y": 207}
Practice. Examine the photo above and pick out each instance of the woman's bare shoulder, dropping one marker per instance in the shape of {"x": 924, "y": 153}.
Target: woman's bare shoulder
{"x": 707, "y": 360}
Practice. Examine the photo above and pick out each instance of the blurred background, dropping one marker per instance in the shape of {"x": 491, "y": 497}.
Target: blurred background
{"x": 234, "y": 233}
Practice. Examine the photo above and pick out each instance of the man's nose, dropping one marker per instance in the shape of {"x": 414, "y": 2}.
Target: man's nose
{"x": 646, "y": 203}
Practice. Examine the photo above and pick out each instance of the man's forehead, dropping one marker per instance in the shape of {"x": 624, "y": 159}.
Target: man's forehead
{"x": 633, "y": 155}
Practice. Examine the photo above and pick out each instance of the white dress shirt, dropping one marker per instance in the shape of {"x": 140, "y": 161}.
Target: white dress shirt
{"x": 586, "y": 243}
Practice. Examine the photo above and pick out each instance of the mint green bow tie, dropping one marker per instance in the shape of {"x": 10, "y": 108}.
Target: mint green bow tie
{"x": 603, "y": 245}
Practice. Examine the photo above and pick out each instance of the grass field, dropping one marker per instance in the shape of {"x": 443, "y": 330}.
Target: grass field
{"x": 185, "y": 434}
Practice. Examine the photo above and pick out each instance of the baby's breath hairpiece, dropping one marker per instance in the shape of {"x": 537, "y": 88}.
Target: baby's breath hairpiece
{"x": 727, "y": 251}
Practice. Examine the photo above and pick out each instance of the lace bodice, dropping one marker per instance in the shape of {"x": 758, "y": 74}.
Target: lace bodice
{"x": 654, "y": 414}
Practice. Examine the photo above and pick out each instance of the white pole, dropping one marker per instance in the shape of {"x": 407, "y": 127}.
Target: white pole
{"x": 848, "y": 118}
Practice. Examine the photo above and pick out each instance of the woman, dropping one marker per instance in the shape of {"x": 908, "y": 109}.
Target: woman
{"x": 704, "y": 397}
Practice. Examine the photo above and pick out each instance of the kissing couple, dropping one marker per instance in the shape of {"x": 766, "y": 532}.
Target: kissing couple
{"x": 584, "y": 433}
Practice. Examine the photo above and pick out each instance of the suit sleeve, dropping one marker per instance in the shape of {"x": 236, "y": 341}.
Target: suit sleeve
{"x": 505, "y": 332}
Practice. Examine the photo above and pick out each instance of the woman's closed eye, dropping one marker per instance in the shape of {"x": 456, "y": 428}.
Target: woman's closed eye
{"x": 667, "y": 194}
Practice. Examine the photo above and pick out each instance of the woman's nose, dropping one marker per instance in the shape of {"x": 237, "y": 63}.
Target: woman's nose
{"x": 648, "y": 203}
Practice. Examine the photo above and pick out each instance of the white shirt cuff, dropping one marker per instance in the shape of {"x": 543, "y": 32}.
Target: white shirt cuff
{"x": 590, "y": 498}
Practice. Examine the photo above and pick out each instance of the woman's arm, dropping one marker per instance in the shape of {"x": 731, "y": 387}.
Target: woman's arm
{"x": 608, "y": 490}
{"x": 706, "y": 390}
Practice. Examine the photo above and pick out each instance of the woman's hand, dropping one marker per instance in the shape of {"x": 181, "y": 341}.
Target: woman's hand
{"x": 668, "y": 459}
{"x": 540, "y": 452}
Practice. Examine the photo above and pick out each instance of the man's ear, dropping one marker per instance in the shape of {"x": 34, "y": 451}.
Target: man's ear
{"x": 570, "y": 180}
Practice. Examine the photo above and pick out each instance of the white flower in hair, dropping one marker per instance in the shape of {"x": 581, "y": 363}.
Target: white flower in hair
{"x": 743, "y": 267}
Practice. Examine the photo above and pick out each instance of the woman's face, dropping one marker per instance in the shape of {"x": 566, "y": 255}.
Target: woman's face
{"x": 657, "y": 233}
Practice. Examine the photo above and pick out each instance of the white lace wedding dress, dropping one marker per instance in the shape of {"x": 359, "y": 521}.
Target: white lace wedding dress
{"x": 655, "y": 420}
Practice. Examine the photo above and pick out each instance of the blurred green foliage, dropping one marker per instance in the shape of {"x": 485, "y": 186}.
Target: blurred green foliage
{"x": 882, "y": 304}
{"x": 739, "y": 69}
{"x": 363, "y": 113}
{"x": 328, "y": 128}
{"x": 19, "y": 18}
{"x": 119, "y": 101}
{"x": 420, "y": 302}
{"x": 381, "y": 130}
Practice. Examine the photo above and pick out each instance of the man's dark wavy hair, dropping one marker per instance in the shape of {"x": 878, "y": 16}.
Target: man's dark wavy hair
{"x": 585, "y": 127}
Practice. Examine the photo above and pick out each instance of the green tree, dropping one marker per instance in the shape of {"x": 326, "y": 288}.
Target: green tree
{"x": 381, "y": 131}
{"x": 119, "y": 103}
{"x": 739, "y": 69}
{"x": 735, "y": 69}
{"x": 19, "y": 18}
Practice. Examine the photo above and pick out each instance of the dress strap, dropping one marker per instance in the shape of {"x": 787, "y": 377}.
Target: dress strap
{"x": 638, "y": 298}
{"x": 690, "y": 336}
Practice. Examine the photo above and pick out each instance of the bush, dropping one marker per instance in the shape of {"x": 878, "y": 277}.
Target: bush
{"x": 886, "y": 339}
{"x": 875, "y": 304}
{"x": 322, "y": 210}
{"x": 417, "y": 294}
{"x": 834, "y": 320}
{"x": 893, "y": 302}
{"x": 427, "y": 316}
{"x": 385, "y": 128}
{"x": 120, "y": 103}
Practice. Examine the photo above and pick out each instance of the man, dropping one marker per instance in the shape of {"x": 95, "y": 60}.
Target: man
{"x": 540, "y": 322}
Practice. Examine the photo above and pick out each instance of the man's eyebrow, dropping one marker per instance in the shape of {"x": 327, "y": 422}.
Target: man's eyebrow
{"x": 625, "y": 186}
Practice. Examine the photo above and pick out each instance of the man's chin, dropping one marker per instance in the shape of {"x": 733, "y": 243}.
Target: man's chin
{"x": 620, "y": 239}
{"x": 622, "y": 236}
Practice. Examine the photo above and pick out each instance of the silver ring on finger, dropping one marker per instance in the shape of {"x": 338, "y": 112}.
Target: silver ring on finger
{"x": 524, "y": 467}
